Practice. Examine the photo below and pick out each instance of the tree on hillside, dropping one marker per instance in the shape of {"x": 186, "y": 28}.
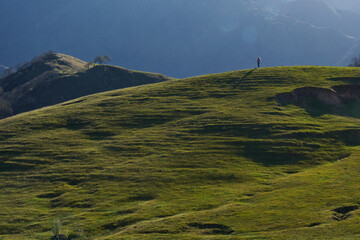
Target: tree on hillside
{"x": 102, "y": 59}
{"x": 56, "y": 227}
{"x": 355, "y": 62}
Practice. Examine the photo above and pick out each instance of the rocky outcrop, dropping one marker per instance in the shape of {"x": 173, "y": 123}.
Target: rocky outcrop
{"x": 347, "y": 92}
{"x": 336, "y": 95}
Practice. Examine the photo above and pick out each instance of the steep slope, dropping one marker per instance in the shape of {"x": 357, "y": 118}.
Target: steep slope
{"x": 54, "y": 78}
{"x": 213, "y": 156}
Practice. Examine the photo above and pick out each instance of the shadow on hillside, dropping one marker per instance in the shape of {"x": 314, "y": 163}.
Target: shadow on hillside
{"x": 350, "y": 80}
{"x": 316, "y": 108}
{"x": 237, "y": 82}
{"x": 350, "y": 109}
{"x": 282, "y": 144}
{"x": 292, "y": 149}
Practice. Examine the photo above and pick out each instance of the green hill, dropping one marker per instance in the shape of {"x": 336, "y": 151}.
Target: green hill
{"x": 53, "y": 78}
{"x": 211, "y": 157}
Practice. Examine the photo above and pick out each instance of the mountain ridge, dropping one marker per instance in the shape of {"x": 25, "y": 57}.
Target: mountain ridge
{"x": 53, "y": 78}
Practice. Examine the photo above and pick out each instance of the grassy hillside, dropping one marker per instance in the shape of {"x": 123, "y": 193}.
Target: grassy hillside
{"x": 53, "y": 78}
{"x": 209, "y": 157}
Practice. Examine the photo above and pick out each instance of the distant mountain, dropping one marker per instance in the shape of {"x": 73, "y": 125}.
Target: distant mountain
{"x": 349, "y": 5}
{"x": 2, "y": 69}
{"x": 181, "y": 38}
{"x": 54, "y": 78}
{"x": 320, "y": 14}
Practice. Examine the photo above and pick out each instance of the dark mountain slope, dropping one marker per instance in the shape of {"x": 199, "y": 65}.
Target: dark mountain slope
{"x": 54, "y": 78}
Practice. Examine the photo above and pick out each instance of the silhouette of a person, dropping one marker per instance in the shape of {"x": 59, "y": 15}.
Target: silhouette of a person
{"x": 259, "y": 61}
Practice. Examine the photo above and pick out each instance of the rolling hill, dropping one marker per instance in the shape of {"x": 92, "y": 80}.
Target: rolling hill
{"x": 237, "y": 155}
{"x": 53, "y": 78}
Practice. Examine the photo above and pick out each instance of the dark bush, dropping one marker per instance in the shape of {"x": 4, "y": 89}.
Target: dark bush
{"x": 59, "y": 237}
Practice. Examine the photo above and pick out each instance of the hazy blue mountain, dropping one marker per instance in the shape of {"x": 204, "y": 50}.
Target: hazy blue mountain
{"x": 350, "y": 5}
{"x": 2, "y": 69}
{"x": 180, "y": 38}
{"x": 318, "y": 13}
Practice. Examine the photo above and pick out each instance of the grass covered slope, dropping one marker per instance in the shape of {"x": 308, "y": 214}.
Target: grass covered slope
{"x": 209, "y": 157}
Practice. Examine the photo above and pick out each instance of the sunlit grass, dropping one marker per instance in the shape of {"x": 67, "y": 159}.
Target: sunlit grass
{"x": 210, "y": 157}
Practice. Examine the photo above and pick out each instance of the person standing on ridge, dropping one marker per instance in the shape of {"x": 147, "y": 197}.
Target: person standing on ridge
{"x": 259, "y": 61}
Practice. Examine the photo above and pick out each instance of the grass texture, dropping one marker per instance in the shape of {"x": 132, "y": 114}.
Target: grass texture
{"x": 208, "y": 157}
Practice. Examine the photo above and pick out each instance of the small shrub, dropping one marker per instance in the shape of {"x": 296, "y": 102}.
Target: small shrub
{"x": 102, "y": 59}
{"x": 56, "y": 227}
{"x": 59, "y": 237}
{"x": 355, "y": 62}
